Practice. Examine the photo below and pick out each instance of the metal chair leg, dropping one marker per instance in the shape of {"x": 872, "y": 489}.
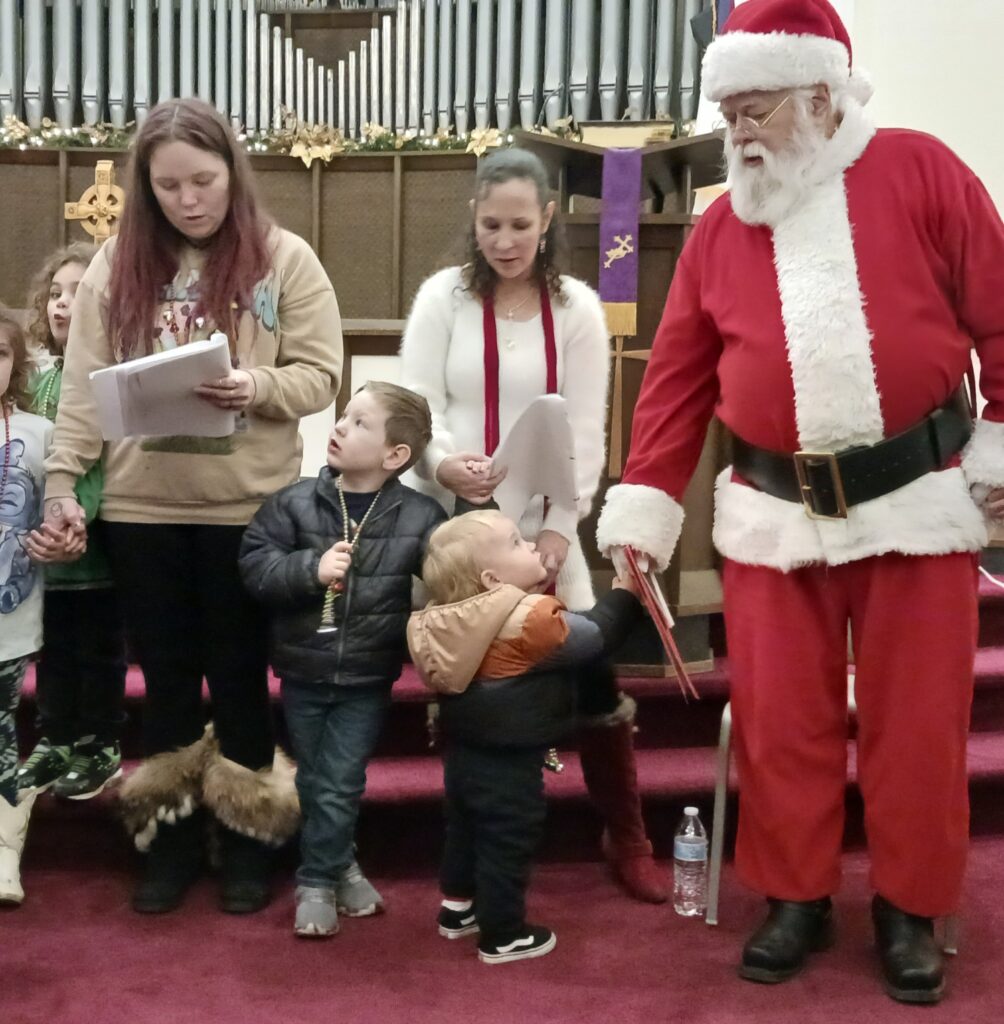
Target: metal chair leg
{"x": 718, "y": 822}
{"x": 950, "y": 934}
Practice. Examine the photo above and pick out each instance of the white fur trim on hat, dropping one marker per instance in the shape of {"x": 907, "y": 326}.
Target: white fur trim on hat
{"x": 983, "y": 459}
{"x": 860, "y": 86}
{"x": 738, "y": 62}
{"x": 642, "y": 517}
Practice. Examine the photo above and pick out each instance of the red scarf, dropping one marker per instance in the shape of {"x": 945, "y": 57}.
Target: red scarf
{"x": 492, "y": 364}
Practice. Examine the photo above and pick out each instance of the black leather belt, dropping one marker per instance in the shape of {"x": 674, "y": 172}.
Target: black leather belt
{"x": 829, "y": 483}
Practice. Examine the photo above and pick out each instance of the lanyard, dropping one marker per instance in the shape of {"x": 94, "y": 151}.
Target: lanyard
{"x": 492, "y": 364}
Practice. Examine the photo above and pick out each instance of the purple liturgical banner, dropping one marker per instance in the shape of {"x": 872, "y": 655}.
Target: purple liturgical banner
{"x": 619, "y": 225}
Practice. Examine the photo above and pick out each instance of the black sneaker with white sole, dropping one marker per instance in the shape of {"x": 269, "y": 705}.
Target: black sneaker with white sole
{"x": 536, "y": 941}
{"x": 455, "y": 924}
{"x": 91, "y": 769}
{"x": 44, "y": 766}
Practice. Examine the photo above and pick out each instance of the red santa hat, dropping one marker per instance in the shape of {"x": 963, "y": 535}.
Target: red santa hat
{"x": 781, "y": 44}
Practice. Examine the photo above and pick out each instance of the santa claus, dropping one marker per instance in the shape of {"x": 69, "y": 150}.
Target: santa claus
{"x": 825, "y": 311}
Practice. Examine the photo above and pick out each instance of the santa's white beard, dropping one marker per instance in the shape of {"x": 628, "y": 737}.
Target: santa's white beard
{"x": 765, "y": 193}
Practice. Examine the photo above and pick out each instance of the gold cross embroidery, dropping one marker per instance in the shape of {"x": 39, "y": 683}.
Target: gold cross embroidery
{"x": 618, "y": 354}
{"x": 620, "y": 250}
{"x": 100, "y": 207}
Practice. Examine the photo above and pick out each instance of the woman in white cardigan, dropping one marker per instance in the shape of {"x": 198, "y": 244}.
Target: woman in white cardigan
{"x": 482, "y": 341}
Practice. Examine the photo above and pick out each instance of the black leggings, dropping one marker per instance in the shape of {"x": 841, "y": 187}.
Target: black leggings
{"x": 188, "y": 618}
{"x": 80, "y": 676}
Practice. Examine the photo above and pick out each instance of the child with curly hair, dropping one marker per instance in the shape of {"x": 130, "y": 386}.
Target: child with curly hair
{"x": 80, "y": 676}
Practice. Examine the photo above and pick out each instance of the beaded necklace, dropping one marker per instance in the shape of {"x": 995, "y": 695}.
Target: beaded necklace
{"x": 45, "y": 398}
{"x": 335, "y": 590}
{"x": 6, "y": 450}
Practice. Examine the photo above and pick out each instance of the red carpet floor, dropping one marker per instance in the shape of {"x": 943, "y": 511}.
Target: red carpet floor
{"x": 75, "y": 954}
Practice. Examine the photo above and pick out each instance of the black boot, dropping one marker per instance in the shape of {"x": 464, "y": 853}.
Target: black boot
{"x": 245, "y": 869}
{"x": 173, "y": 863}
{"x": 778, "y": 948}
{"x": 912, "y": 963}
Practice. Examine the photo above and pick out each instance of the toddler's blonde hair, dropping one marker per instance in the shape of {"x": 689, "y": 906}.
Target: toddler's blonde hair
{"x": 452, "y": 570}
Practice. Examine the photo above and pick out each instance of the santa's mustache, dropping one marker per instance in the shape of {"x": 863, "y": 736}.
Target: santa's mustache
{"x": 736, "y": 157}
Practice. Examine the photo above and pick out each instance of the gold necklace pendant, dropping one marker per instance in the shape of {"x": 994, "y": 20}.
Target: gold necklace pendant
{"x": 328, "y": 613}
{"x": 513, "y": 310}
{"x": 334, "y": 591}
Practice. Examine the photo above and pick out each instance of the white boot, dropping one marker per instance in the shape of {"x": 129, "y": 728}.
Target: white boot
{"x": 13, "y": 829}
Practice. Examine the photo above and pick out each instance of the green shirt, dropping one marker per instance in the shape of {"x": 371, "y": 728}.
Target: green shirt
{"x": 91, "y": 570}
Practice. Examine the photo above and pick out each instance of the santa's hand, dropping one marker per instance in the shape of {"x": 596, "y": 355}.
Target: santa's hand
{"x": 993, "y": 503}
{"x": 621, "y": 567}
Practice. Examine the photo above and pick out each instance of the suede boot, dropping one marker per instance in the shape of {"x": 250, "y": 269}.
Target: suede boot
{"x": 778, "y": 949}
{"x": 245, "y": 871}
{"x": 606, "y": 746}
{"x": 173, "y": 862}
{"x": 912, "y": 964}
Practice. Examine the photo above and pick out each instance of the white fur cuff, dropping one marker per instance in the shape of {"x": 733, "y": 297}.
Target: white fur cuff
{"x": 642, "y": 517}
{"x": 983, "y": 459}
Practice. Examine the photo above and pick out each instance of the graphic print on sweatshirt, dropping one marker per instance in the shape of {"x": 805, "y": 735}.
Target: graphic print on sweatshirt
{"x": 178, "y": 325}
{"x": 20, "y": 512}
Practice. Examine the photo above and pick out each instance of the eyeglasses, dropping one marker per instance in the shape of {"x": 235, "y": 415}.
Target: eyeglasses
{"x": 750, "y": 124}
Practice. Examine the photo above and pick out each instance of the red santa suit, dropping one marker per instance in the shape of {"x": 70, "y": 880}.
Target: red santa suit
{"x": 845, "y": 322}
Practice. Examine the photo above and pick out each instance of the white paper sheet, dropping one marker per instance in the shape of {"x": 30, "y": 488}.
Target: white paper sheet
{"x": 154, "y": 396}
{"x": 539, "y": 453}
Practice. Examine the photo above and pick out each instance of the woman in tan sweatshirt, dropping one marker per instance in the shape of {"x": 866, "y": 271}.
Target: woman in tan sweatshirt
{"x": 196, "y": 255}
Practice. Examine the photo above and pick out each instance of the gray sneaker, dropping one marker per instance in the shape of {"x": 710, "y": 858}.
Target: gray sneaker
{"x": 316, "y": 913}
{"x": 356, "y": 897}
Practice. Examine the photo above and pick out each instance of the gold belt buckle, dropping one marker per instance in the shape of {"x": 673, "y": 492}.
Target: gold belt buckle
{"x": 805, "y": 460}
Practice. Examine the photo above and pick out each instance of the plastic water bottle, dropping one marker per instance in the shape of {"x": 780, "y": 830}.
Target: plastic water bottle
{"x": 690, "y": 866}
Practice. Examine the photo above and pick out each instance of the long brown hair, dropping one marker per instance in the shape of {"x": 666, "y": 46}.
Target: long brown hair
{"x": 38, "y": 300}
{"x": 146, "y": 252}
{"x": 17, "y": 390}
{"x": 499, "y": 167}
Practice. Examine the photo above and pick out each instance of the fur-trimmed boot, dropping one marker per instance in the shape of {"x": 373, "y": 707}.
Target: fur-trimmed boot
{"x": 174, "y": 860}
{"x": 159, "y": 803}
{"x": 259, "y": 811}
{"x": 606, "y": 746}
{"x": 13, "y": 830}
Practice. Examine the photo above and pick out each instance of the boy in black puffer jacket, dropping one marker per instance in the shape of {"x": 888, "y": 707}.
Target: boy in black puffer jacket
{"x": 333, "y": 558}
{"x": 499, "y": 656}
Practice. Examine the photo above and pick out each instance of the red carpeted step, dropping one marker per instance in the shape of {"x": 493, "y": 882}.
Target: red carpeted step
{"x": 402, "y": 808}
{"x": 664, "y": 718}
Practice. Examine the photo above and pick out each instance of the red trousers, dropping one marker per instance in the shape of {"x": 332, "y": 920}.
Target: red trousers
{"x": 913, "y": 620}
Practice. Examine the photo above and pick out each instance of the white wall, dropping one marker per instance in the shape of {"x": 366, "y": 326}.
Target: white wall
{"x": 316, "y": 429}
{"x": 936, "y": 66}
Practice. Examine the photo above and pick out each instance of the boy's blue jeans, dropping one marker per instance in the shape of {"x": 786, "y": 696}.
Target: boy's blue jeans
{"x": 333, "y": 730}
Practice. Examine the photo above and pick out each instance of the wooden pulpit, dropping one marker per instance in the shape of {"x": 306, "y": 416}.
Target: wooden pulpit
{"x": 671, "y": 170}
